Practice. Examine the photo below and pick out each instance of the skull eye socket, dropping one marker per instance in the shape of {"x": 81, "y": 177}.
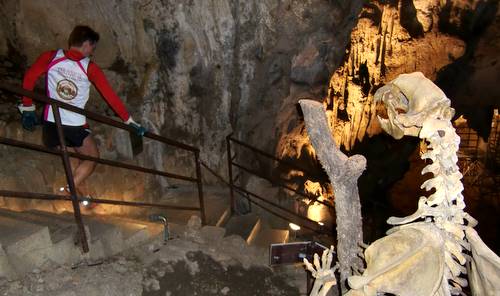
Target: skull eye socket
{"x": 381, "y": 110}
{"x": 402, "y": 104}
{"x": 400, "y": 111}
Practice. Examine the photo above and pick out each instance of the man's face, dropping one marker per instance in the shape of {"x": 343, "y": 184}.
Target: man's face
{"x": 88, "y": 48}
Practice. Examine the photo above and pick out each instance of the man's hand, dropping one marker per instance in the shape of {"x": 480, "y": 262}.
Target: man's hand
{"x": 139, "y": 129}
{"x": 29, "y": 119}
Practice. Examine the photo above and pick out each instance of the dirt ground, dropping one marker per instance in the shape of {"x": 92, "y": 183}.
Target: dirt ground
{"x": 200, "y": 261}
{"x": 202, "y": 275}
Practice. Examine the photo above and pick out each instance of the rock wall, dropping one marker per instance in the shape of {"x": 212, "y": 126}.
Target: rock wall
{"x": 196, "y": 71}
{"x": 446, "y": 40}
{"x": 193, "y": 71}
{"x": 451, "y": 42}
{"x": 390, "y": 38}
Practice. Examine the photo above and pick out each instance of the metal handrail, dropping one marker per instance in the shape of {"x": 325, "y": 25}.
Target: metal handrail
{"x": 92, "y": 115}
{"x": 268, "y": 155}
{"x": 309, "y": 197}
{"x": 47, "y": 196}
{"x": 242, "y": 191}
{"x": 232, "y": 187}
{"x": 113, "y": 163}
{"x": 65, "y": 154}
{"x": 239, "y": 188}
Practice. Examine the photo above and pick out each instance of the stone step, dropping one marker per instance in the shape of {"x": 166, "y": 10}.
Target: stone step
{"x": 132, "y": 232}
{"x": 61, "y": 234}
{"x": 245, "y": 226}
{"x": 59, "y": 229}
{"x": 223, "y": 217}
{"x": 19, "y": 237}
{"x": 216, "y": 202}
{"x": 114, "y": 233}
{"x": 107, "y": 235}
{"x": 268, "y": 236}
{"x": 27, "y": 245}
{"x": 6, "y": 269}
{"x": 216, "y": 210}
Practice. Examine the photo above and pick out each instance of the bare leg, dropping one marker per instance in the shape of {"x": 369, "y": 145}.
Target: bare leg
{"x": 85, "y": 167}
{"x": 75, "y": 162}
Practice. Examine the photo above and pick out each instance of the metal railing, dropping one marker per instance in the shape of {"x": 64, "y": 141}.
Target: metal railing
{"x": 65, "y": 155}
{"x": 493, "y": 154}
{"x": 268, "y": 205}
{"x": 469, "y": 141}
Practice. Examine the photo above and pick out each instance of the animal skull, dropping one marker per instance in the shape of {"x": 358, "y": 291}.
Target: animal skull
{"x": 410, "y": 99}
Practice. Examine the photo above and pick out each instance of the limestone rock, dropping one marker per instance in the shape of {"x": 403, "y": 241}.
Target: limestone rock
{"x": 212, "y": 233}
{"x": 309, "y": 67}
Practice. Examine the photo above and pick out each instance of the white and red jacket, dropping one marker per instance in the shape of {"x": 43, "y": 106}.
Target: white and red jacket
{"x": 69, "y": 75}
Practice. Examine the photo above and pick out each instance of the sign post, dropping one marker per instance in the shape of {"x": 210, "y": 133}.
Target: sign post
{"x": 295, "y": 252}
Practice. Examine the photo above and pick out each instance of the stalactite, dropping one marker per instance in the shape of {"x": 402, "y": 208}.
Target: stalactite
{"x": 351, "y": 60}
{"x": 377, "y": 49}
{"x": 384, "y": 46}
{"x": 352, "y": 127}
{"x": 391, "y": 30}
{"x": 382, "y": 54}
{"x": 344, "y": 85}
{"x": 356, "y": 59}
{"x": 381, "y": 20}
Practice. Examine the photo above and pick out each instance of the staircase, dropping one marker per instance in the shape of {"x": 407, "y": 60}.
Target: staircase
{"x": 37, "y": 240}
{"x": 32, "y": 239}
{"x": 252, "y": 228}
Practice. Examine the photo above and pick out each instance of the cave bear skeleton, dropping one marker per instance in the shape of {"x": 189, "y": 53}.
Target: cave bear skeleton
{"x": 433, "y": 250}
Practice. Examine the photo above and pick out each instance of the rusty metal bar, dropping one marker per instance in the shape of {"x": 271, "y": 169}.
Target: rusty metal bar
{"x": 269, "y": 155}
{"x": 65, "y": 154}
{"x": 113, "y": 163}
{"x": 94, "y": 116}
{"x": 200, "y": 187}
{"x": 230, "y": 172}
{"x": 31, "y": 195}
{"x": 70, "y": 180}
{"x": 140, "y": 204}
{"x": 277, "y": 206}
{"x": 288, "y": 218}
{"x": 131, "y": 167}
{"x": 327, "y": 230}
{"x": 45, "y": 196}
{"x": 311, "y": 198}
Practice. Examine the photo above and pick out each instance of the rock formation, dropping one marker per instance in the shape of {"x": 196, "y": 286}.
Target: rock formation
{"x": 192, "y": 71}
{"x": 426, "y": 253}
{"x": 445, "y": 40}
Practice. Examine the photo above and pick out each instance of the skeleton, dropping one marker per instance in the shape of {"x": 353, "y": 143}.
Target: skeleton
{"x": 425, "y": 253}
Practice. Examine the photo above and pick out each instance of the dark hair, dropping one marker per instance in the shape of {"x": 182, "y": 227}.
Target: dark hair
{"x": 81, "y": 34}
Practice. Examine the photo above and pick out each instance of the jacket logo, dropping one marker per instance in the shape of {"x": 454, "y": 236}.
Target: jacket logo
{"x": 67, "y": 90}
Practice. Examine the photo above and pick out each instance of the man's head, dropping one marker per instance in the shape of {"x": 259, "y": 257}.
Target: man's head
{"x": 83, "y": 39}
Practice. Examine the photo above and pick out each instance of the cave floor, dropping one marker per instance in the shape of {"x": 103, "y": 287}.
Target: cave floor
{"x": 196, "y": 262}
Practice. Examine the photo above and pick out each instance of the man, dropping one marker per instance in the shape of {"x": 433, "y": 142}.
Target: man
{"x": 69, "y": 74}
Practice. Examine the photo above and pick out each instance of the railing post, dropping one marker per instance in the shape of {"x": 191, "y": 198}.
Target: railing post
{"x": 200, "y": 187}
{"x": 69, "y": 178}
{"x": 230, "y": 172}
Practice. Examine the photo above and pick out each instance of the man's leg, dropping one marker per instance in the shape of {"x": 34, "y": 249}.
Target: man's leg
{"x": 85, "y": 167}
{"x": 74, "y": 162}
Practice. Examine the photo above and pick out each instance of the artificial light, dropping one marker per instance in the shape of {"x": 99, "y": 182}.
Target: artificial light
{"x": 294, "y": 227}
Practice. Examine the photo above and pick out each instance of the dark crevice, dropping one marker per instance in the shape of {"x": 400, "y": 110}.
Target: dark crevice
{"x": 409, "y": 19}
{"x": 454, "y": 78}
